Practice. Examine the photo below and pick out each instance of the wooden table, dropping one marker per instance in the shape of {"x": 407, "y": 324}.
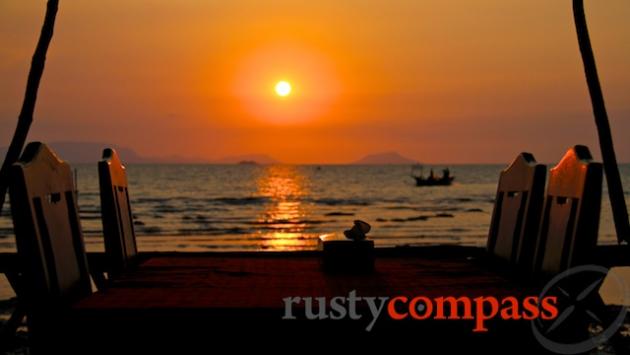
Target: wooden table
{"x": 198, "y": 300}
{"x": 215, "y": 281}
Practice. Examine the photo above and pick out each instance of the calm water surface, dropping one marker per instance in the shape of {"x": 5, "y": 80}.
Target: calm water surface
{"x": 270, "y": 208}
{"x": 244, "y": 207}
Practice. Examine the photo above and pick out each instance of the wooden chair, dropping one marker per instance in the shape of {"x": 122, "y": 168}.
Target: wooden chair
{"x": 516, "y": 214}
{"x": 570, "y": 221}
{"x": 49, "y": 239}
{"x": 120, "y": 238}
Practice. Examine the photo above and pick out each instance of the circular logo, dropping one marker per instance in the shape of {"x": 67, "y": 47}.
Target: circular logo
{"x": 583, "y": 322}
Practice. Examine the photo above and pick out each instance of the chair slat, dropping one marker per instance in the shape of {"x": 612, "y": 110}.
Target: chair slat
{"x": 47, "y": 228}
{"x": 119, "y": 234}
{"x": 569, "y": 226}
{"x": 517, "y": 209}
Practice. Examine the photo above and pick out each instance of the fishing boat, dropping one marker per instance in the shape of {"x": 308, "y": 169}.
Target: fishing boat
{"x": 432, "y": 180}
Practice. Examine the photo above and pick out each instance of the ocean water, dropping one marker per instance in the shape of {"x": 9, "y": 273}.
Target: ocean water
{"x": 286, "y": 207}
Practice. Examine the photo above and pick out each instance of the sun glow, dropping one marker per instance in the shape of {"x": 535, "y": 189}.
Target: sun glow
{"x": 285, "y": 84}
{"x": 283, "y": 88}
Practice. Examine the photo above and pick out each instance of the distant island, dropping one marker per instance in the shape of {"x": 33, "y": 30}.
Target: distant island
{"x": 385, "y": 158}
{"x": 260, "y": 159}
{"x": 247, "y": 162}
{"x": 89, "y": 152}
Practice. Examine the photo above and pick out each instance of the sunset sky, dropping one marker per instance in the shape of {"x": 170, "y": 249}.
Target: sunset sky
{"x": 438, "y": 81}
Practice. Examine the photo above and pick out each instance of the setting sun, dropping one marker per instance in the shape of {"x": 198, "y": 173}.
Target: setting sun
{"x": 283, "y": 88}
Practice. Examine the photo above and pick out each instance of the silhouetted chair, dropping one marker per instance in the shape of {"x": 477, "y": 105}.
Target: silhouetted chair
{"x": 49, "y": 240}
{"x": 120, "y": 238}
{"x": 516, "y": 215}
{"x": 570, "y": 221}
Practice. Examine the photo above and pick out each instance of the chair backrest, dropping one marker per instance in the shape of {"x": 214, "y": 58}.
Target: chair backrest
{"x": 120, "y": 238}
{"x": 570, "y": 221}
{"x": 47, "y": 229}
{"x": 517, "y": 209}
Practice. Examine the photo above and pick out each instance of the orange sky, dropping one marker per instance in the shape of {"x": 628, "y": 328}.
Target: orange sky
{"x": 438, "y": 81}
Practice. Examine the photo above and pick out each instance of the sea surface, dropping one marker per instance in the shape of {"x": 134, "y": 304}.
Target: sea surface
{"x": 286, "y": 207}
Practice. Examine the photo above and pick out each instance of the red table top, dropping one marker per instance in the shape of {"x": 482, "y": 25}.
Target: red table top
{"x": 212, "y": 282}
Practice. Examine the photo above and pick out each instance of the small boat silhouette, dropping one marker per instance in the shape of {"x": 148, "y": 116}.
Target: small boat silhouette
{"x": 432, "y": 180}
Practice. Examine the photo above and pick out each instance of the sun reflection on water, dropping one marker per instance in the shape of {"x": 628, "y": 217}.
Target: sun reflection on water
{"x": 284, "y": 218}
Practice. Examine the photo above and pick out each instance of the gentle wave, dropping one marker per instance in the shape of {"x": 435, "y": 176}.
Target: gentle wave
{"x": 287, "y": 207}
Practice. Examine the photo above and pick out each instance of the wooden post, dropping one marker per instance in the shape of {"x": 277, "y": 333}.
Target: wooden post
{"x": 615, "y": 190}
{"x": 30, "y": 97}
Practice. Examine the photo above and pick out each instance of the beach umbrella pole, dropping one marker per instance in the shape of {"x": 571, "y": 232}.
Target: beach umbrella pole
{"x": 615, "y": 189}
